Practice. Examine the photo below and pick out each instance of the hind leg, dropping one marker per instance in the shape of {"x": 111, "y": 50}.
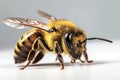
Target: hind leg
{"x": 38, "y": 57}
{"x": 29, "y": 58}
{"x": 36, "y": 53}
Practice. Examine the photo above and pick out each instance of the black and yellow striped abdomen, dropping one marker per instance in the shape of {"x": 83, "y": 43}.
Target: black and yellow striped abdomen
{"x": 24, "y": 44}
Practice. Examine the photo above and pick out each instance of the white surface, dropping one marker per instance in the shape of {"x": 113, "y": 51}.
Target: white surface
{"x": 106, "y": 65}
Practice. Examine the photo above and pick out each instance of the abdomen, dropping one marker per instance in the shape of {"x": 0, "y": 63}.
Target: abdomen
{"x": 24, "y": 45}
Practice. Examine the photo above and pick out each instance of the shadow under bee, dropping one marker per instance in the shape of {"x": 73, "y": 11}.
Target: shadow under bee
{"x": 49, "y": 65}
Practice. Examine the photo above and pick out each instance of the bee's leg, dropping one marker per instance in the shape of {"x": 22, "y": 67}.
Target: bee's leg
{"x": 86, "y": 57}
{"x": 56, "y": 59}
{"x": 25, "y": 66}
{"x": 82, "y": 61}
{"x": 59, "y": 56}
{"x": 34, "y": 53}
{"x": 29, "y": 58}
{"x": 41, "y": 51}
{"x": 39, "y": 56}
{"x": 80, "y": 58}
{"x": 73, "y": 60}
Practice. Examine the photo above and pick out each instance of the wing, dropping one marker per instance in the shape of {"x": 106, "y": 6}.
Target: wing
{"x": 21, "y": 23}
{"x": 46, "y": 15}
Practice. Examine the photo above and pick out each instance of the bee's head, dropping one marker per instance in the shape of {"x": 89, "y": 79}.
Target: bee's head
{"x": 75, "y": 43}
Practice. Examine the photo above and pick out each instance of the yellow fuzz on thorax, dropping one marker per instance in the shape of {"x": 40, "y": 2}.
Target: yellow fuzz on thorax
{"x": 58, "y": 23}
{"x": 61, "y": 25}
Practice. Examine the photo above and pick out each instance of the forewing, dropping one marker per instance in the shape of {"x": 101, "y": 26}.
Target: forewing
{"x": 46, "y": 15}
{"x": 21, "y": 23}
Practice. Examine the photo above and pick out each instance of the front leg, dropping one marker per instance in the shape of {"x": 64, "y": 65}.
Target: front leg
{"x": 58, "y": 50}
{"x": 86, "y": 57}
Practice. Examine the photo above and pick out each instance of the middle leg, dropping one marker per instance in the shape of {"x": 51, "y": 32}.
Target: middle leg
{"x": 58, "y": 50}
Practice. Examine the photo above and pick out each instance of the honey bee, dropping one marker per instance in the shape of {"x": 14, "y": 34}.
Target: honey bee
{"x": 57, "y": 35}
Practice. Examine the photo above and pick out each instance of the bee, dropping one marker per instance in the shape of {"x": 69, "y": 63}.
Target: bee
{"x": 57, "y": 36}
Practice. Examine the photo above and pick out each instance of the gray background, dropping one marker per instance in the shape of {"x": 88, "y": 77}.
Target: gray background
{"x": 97, "y": 17}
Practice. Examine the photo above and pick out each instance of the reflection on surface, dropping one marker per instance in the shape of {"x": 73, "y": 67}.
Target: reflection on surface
{"x": 51, "y": 72}
{"x": 69, "y": 64}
